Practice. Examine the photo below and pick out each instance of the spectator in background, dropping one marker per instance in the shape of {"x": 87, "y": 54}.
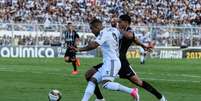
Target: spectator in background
{"x": 83, "y": 10}
{"x": 186, "y": 13}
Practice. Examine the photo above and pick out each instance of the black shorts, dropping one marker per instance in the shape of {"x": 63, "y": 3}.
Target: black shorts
{"x": 126, "y": 70}
{"x": 70, "y": 54}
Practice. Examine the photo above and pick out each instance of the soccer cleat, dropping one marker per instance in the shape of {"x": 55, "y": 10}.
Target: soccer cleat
{"x": 74, "y": 72}
{"x": 135, "y": 94}
{"x": 77, "y": 62}
{"x": 163, "y": 98}
{"x": 100, "y": 100}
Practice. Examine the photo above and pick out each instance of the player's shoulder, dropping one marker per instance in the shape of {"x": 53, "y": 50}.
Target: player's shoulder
{"x": 110, "y": 29}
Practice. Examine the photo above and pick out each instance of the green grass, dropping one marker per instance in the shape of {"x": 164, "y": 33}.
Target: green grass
{"x": 31, "y": 79}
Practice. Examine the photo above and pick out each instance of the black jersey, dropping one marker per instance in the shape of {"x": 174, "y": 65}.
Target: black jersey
{"x": 70, "y": 38}
{"x": 124, "y": 44}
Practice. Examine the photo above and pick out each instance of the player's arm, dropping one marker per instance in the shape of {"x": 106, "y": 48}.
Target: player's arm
{"x": 100, "y": 39}
{"x": 130, "y": 35}
{"x": 91, "y": 45}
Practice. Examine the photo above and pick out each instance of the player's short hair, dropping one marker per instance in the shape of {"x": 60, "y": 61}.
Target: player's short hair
{"x": 95, "y": 22}
{"x": 125, "y": 17}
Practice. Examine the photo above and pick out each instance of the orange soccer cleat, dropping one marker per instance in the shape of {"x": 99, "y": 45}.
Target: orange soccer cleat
{"x": 74, "y": 72}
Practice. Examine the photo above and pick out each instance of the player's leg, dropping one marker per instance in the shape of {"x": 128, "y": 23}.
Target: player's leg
{"x": 127, "y": 72}
{"x": 71, "y": 57}
{"x": 109, "y": 73}
{"x": 89, "y": 75}
{"x": 67, "y": 56}
{"x": 136, "y": 80}
{"x": 114, "y": 86}
{"x": 77, "y": 62}
{"x": 91, "y": 86}
{"x": 142, "y": 55}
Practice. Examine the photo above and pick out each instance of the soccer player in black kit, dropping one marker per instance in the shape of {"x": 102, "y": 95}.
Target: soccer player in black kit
{"x": 71, "y": 39}
{"x": 126, "y": 71}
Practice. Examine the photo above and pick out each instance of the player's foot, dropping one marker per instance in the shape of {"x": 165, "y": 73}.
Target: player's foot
{"x": 74, "y": 72}
{"x": 143, "y": 62}
{"x": 163, "y": 98}
{"x": 77, "y": 61}
{"x": 100, "y": 100}
{"x": 135, "y": 94}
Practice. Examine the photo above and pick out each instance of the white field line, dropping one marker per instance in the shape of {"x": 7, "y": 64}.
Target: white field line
{"x": 168, "y": 80}
{"x": 152, "y": 79}
{"x": 178, "y": 75}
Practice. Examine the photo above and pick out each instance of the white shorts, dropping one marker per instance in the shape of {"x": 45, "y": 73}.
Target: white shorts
{"x": 108, "y": 71}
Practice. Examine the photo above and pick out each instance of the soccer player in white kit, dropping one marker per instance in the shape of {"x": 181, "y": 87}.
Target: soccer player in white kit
{"x": 108, "y": 40}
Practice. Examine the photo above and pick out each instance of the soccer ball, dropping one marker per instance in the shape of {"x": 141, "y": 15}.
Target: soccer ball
{"x": 54, "y": 95}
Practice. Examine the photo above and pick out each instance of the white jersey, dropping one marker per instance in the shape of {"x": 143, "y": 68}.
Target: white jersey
{"x": 108, "y": 39}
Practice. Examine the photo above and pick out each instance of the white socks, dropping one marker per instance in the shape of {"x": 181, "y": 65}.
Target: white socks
{"x": 142, "y": 58}
{"x": 117, "y": 87}
{"x": 89, "y": 91}
{"x": 109, "y": 85}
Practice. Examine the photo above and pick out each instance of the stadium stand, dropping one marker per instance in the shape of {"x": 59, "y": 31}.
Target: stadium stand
{"x": 49, "y": 15}
{"x": 60, "y": 11}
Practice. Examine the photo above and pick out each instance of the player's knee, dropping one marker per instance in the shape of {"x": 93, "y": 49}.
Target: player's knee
{"x": 105, "y": 83}
{"x": 90, "y": 73}
{"x": 94, "y": 80}
{"x": 87, "y": 76}
{"x": 73, "y": 59}
{"x": 66, "y": 59}
{"x": 136, "y": 80}
{"x": 110, "y": 85}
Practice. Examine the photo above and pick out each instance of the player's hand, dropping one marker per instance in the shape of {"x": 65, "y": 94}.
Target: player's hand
{"x": 148, "y": 48}
{"x": 73, "y": 49}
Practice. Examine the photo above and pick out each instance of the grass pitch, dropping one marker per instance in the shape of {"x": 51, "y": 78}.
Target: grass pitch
{"x": 31, "y": 79}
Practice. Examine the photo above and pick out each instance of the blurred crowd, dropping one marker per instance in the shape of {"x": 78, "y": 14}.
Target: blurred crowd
{"x": 143, "y": 12}
{"x": 22, "y": 40}
{"x": 50, "y": 13}
{"x": 176, "y": 36}
{"x": 29, "y": 40}
{"x": 162, "y": 36}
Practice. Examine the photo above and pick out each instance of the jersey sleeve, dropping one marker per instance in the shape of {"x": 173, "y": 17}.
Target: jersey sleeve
{"x": 101, "y": 38}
